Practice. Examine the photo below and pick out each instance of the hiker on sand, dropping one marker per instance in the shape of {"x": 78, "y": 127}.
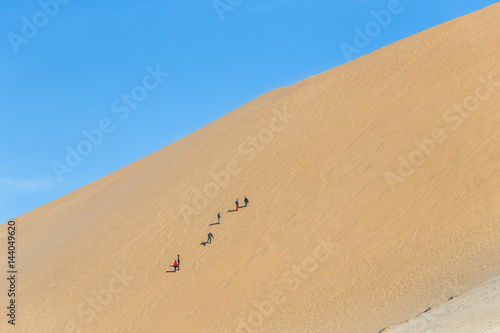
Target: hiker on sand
{"x": 237, "y": 204}
{"x": 210, "y": 236}
{"x": 218, "y": 216}
{"x": 178, "y": 260}
{"x": 246, "y": 201}
{"x": 176, "y": 266}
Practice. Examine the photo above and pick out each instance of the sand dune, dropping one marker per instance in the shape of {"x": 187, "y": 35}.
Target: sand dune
{"x": 474, "y": 311}
{"x": 374, "y": 194}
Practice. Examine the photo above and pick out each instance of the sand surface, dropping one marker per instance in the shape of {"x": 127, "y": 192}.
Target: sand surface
{"x": 342, "y": 234}
{"x": 475, "y": 311}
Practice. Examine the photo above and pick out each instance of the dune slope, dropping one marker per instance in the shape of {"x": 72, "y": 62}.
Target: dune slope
{"x": 374, "y": 194}
{"x": 474, "y": 311}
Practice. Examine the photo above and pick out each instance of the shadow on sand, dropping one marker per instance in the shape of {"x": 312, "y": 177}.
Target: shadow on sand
{"x": 213, "y": 224}
{"x": 234, "y": 210}
{"x": 204, "y": 243}
{"x": 170, "y": 271}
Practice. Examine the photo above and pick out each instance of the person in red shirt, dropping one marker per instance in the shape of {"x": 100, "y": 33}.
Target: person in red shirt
{"x": 176, "y": 266}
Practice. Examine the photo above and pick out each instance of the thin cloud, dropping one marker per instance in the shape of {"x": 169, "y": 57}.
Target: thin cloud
{"x": 25, "y": 185}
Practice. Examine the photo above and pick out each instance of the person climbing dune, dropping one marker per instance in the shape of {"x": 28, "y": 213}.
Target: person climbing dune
{"x": 218, "y": 216}
{"x": 210, "y": 236}
{"x": 246, "y": 201}
{"x": 237, "y": 204}
{"x": 176, "y": 266}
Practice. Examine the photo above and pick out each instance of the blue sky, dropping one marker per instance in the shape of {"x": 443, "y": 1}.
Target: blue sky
{"x": 73, "y": 66}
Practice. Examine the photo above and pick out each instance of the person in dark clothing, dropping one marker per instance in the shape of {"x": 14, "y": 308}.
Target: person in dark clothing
{"x": 210, "y": 236}
{"x": 246, "y": 201}
{"x": 218, "y": 216}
